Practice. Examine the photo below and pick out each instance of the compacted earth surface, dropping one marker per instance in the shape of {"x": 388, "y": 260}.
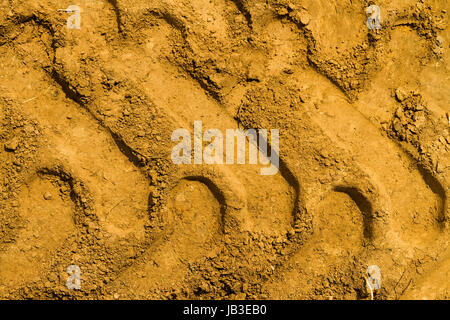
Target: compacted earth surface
{"x": 90, "y": 98}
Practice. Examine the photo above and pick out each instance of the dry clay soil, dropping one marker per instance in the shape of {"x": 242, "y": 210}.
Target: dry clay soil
{"x": 86, "y": 176}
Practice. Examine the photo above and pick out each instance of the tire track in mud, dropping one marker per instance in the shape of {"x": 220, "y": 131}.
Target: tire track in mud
{"x": 345, "y": 188}
{"x": 338, "y": 119}
{"x": 414, "y": 222}
{"x": 387, "y": 162}
{"x": 432, "y": 202}
{"x": 262, "y": 210}
{"x": 202, "y": 173}
{"x": 153, "y": 80}
{"x": 45, "y": 224}
{"x": 119, "y": 191}
{"x": 374, "y": 184}
{"x": 71, "y": 131}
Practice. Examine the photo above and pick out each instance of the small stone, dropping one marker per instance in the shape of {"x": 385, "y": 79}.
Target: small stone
{"x": 399, "y": 113}
{"x": 304, "y": 17}
{"x": 12, "y": 144}
{"x": 292, "y": 6}
{"x": 282, "y": 11}
{"x": 397, "y": 126}
{"x": 116, "y": 296}
{"x": 400, "y": 94}
{"x": 48, "y": 196}
{"x": 204, "y": 287}
{"x": 254, "y": 73}
{"x": 91, "y": 226}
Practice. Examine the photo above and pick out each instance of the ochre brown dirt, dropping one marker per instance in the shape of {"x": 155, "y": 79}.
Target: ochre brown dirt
{"x": 87, "y": 179}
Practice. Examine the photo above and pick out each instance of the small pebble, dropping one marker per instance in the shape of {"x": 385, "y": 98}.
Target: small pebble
{"x": 48, "y": 196}
{"x": 12, "y": 144}
{"x": 400, "y": 94}
{"x": 304, "y": 17}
